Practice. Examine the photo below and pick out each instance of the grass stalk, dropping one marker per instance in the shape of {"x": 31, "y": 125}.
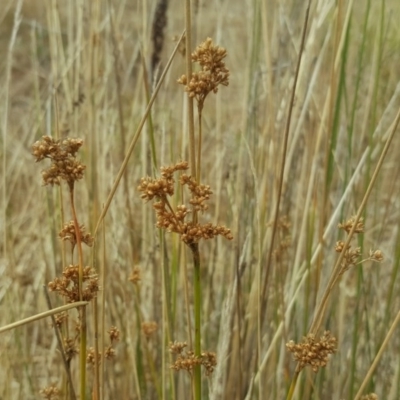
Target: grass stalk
{"x": 83, "y": 322}
{"x": 97, "y": 358}
{"x": 198, "y": 166}
{"x": 188, "y": 54}
{"x": 103, "y": 277}
{"x": 41, "y": 315}
{"x": 378, "y": 357}
{"x": 197, "y": 318}
{"x": 71, "y": 388}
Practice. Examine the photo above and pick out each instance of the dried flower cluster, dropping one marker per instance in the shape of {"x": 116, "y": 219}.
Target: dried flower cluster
{"x": 91, "y": 356}
{"x": 348, "y": 225}
{"x": 64, "y": 165}
{"x": 68, "y": 233}
{"x": 135, "y": 276}
{"x": 212, "y": 74}
{"x": 70, "y": 349}
{"x": 148, "y": 328}
{"x": 352, "y": 255}
{"x": 60, "y": 319}
{"x": 68, "y": 285}
{"x": 51, "y": 392}
{"x": 370, "y": 396}
{"x": 109, "y": 352}
{"x": 186, "y": 360}
{"x": 174, "y": 221}
{"x": 312, "y": 351}
{"x": 114, "y": 335}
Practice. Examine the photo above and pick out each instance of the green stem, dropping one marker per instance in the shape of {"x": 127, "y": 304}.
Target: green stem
{"x": 293, "y": 385}
{"x": 197, "y": 319}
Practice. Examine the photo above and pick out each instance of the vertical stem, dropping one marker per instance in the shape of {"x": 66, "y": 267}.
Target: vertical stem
{"x": 194, "y": 246}
{"x": 66, "y": 363}
{"x": 192, "y": 145}
{"x": 199, "y": 108}
{"x": 293, "y": 385}
{"x": 82, "y": 352}
{"x": 96, "y": 388}
{"x": 197, "y": 319}
{"x": 102, "y": 309}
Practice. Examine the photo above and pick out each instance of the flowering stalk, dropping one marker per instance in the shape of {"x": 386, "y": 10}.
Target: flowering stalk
{"x": 313, "y": 351}
{"x": 65, "y": 167}
{"x": 213, "y": 73}
{"x": 175, "y": 220}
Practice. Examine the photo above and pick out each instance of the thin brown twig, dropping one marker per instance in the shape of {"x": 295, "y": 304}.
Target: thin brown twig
{"x": 60, "y": 345}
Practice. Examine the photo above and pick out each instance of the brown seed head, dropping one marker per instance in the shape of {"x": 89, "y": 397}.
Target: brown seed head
{"x": 348, "y": 225}
{"x": 149, "y": 328}
{"x": 62, "y": 153}
{"x": 68, "y": 285}
{"x": 312, "y": 351}
{"x": 212, "y": 74}
{"x": 175, "y": 220}
{"x": 51, "y": 392}
{"x": 91, "y": 358}
{"x": 376, "y": 255}
{"x": 135, "y": 275}
{"x": 370, "y": 396}
{"x": 114, "y": 334}
{"x": 68, "y": 233}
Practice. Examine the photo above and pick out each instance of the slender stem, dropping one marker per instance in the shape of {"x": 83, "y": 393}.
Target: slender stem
{"x": 82, "y": 353}
{"x": 60, "y": 346}
{"x": 43, "y": 315}
{"x": 96, "y": 388}
{"x": 102, "y": 309}
{"x": 199, "y": 110}
{"x": 197, "y": 318}
{"x": 378, "y": 356}
{"x": 192, "y": 144}
{"x": 293, "y": 385}
{"x": 78, "y": 238}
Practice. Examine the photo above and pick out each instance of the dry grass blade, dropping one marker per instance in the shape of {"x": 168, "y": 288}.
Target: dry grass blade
{"x": 135, "y": 138}
{"x": 43, "y": 315}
